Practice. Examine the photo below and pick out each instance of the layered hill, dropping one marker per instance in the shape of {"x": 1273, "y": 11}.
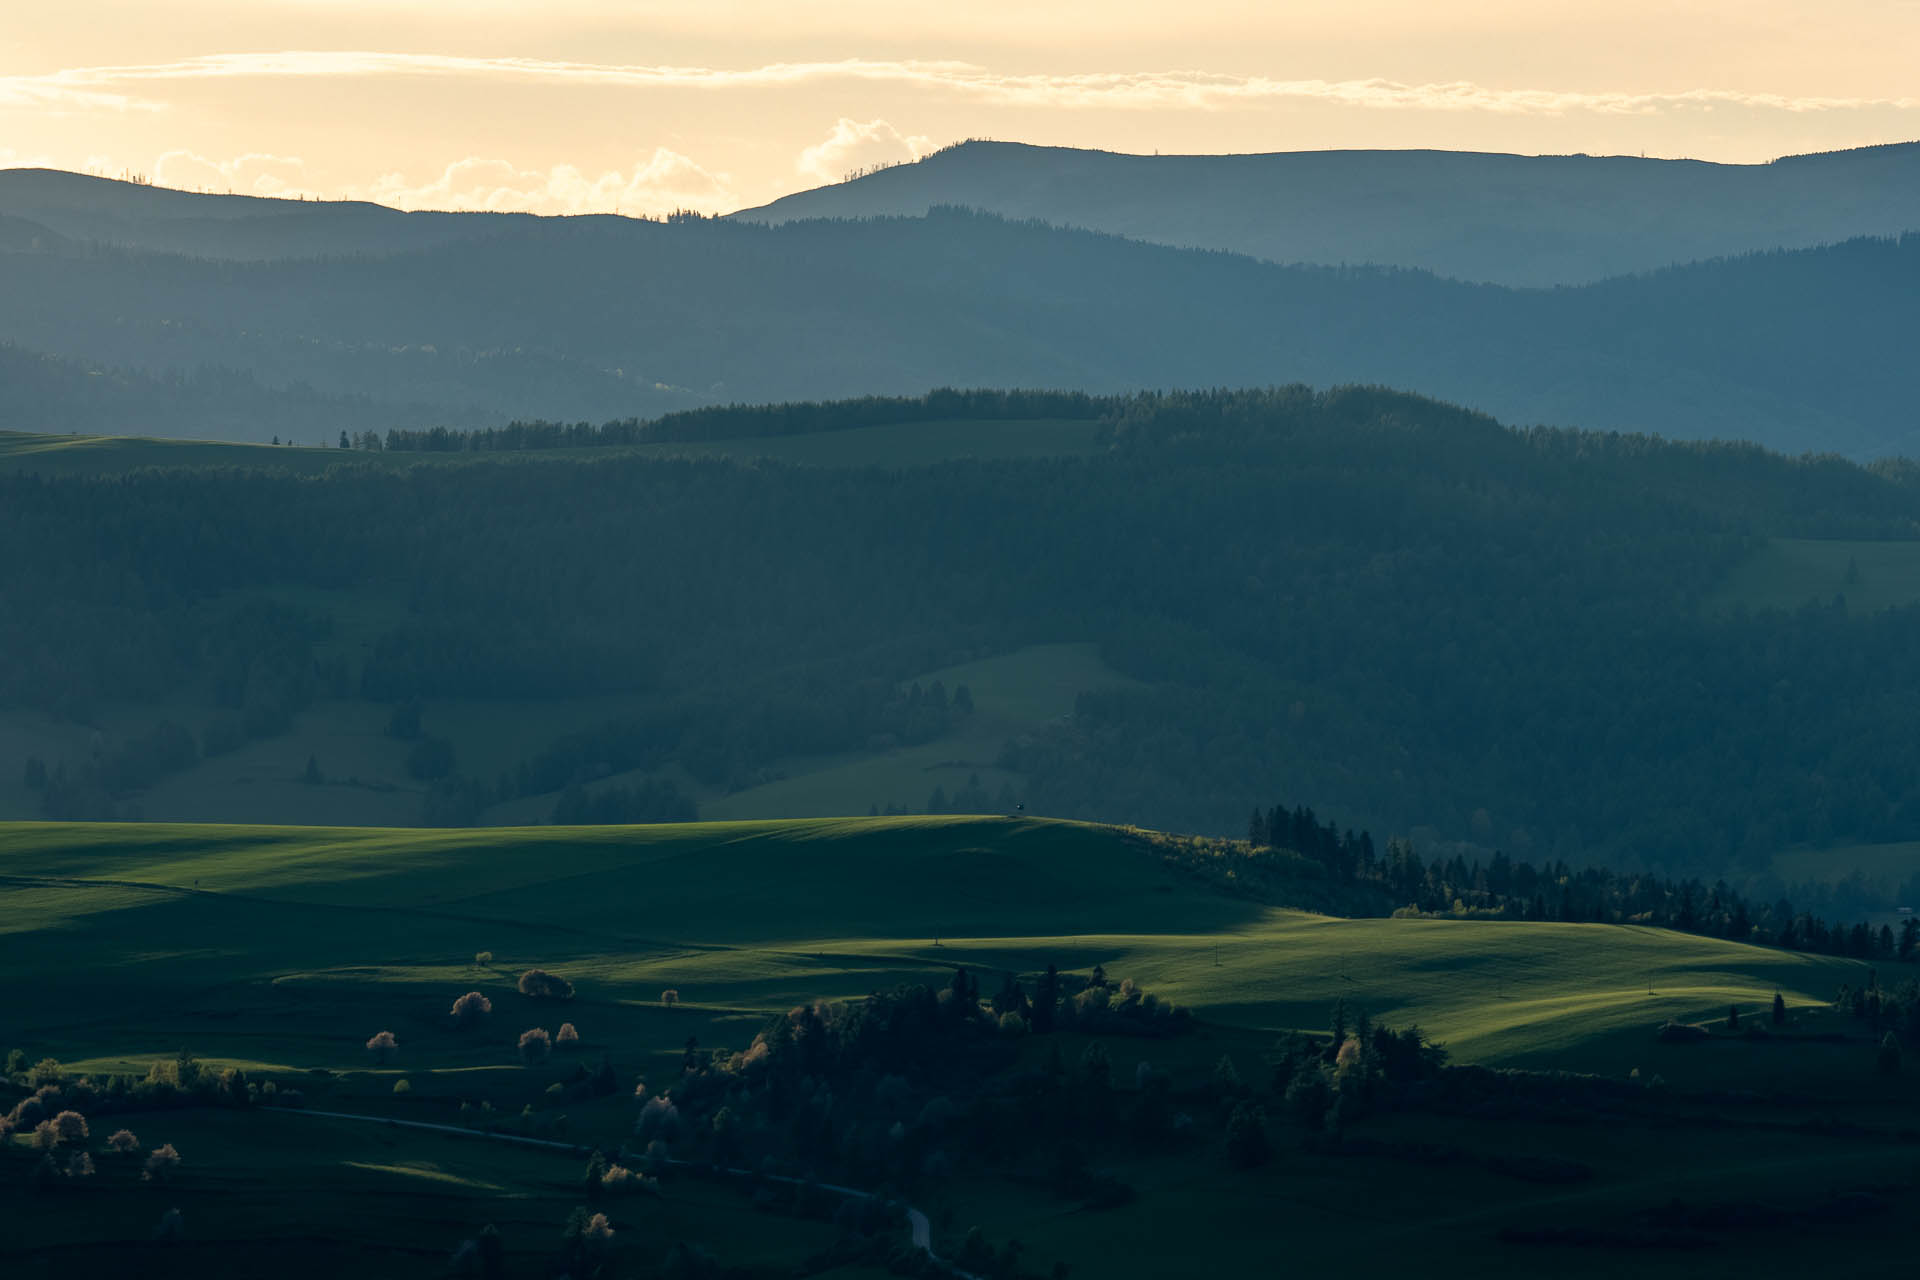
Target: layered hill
{"x": 1505, "y": 219}
{"x": 1801, "y": 351}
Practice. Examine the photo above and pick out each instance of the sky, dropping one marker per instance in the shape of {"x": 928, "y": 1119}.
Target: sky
{"x": 645, "y": 106}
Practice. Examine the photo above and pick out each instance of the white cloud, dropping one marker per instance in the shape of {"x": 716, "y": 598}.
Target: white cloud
{"x": 660, "y": 184}
{"x": 253, "y": 174}
{"x": 855, "y": 146}
{"x": 1158, "y": 90}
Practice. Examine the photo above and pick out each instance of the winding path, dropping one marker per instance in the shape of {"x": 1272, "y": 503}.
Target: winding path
{"x": 921, "y": 1225}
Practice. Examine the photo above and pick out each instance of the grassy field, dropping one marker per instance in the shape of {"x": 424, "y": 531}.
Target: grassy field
{"x": 366, "y": 779}
{"x": 280, "y": 950}
{"x": 1789, "y": 572}
{"x": 910, "y": 444}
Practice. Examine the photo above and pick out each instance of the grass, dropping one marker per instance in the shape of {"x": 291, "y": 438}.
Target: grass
{"x": 280, "y": 950}
{"x": 1787, "y": 573}
{"x": 365, "y": 770}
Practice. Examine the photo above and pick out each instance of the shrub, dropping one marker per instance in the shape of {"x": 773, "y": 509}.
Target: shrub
{"x": 535, "y": 1045}
{"x": 670, "y": 997}
{"x": 124, "y": 1142}
{"x": 383, "y": 1046}
{"x": 403, "y": 1085}
{"x": 483, "y": 958}
{"x": 471, "y": 1008}
{"x": 71, "y": 1126}
{"x": 541, "y": 985}
{"x": 162, "y": 1161}
{"x": 567, "y": 1037}
{"x": 599, "y": 1232}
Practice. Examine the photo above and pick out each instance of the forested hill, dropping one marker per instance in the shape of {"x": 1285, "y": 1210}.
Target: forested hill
{"x": 1506, "y": 219}
{"x": 1802, "y": 351}
{"x": 1415, "y": 616}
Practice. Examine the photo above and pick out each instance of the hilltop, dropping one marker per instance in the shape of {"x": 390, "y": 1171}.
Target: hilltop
{"x": 1502, "y": 219}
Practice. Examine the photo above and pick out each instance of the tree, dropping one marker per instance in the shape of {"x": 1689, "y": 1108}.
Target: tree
{"x": 1733, "y": 1017}
{"x": 1779, "y": 1010}
{"x": 1889, "y": 1055}
{"x": 566, "y": 1037}
{"x": 535, "y": 1045}
{"x": 344, "y": 442}
{"x": 313, "y": 777}
{"x": 161, "y": 1164}
{"x": 1046, "y": 997}
{"x": 123, "y": 1142}
{"x": 538, "y": 984}
{"x": 669, "y": 998}
{"x": 471, "y": 1008}
{"x": 383, "y": 1046}
{"x": 1909, "y": 937}
{"x": 71, "y": 1127}
{"x": 1247, "y": 1145}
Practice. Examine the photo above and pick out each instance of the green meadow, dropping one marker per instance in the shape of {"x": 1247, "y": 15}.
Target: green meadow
{"x": 281, "y": 950}
{"x": 1787, "y": 573}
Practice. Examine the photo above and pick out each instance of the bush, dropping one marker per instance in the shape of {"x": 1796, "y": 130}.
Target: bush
{"x": 670, "y": 997}
{"x": 567, "y": 1037}
{"x": 161, "y": 1164}
{"x": 471, "y": 1008}
{"x": 483, "y": 958}
{"x": 383, "y": 1046}
{"x": 403, "y": 1085}
{"x": 124, "y": 1142}
{"x": 535, "y": 1045}
{"x": 538, "y": 984}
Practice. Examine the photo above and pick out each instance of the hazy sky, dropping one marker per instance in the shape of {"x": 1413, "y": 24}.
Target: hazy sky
{"x": 647, "y": 105}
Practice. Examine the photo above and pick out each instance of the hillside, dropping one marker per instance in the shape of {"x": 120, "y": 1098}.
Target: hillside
{"x": 1502, "y": 219}
{"x": 605, "y": 319}
{"x": 240, "y": 228}
{"x": 1412, "y": 616}
{"x": 222, "y": 990}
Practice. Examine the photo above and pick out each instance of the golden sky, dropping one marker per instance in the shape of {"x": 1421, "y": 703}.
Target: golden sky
{"x": 641, "y": 106}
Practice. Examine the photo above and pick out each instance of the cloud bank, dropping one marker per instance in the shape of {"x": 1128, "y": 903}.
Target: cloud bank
{"x": 662, "y": 183}
{"x": 114, "y": 86}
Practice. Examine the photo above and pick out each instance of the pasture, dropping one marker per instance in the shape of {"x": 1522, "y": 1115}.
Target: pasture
{"x": 281, "y": 950}
{"x": 1787, "y": 573}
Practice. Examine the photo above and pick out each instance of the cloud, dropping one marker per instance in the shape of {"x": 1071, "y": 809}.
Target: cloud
{"x": 855, "y": 146}
{"x": 253, "y": 174}
{"x": 664, "y": 182}
{"x": 109, "y": 86}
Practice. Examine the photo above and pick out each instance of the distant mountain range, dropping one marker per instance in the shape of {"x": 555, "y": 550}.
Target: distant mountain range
{"x": 1502, "y": 219}
{"x": 487, "y": 318}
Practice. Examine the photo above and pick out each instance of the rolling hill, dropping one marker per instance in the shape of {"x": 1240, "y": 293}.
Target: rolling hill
{"x": 569, "y": 320}
{"x": 251, "y": 965}
{"x": 1502, "y": 219}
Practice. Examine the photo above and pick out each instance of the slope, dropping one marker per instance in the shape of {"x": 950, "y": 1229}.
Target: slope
{"x": 1801, "y": 351}
{"x": 313, "y": 933}
{"x": 1506, "y": 219}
